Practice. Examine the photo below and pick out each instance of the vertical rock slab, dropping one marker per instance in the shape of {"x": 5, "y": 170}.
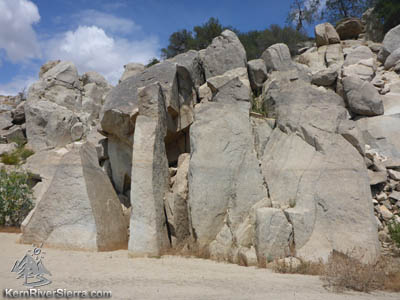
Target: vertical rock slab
{"x": 223, "y": 163}
{"x": 148, "y": 228}
{"x": 176, "y": 203}
{"x": 79, "y": 209}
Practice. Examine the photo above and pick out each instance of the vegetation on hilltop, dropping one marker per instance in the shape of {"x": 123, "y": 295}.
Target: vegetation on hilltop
{"x": 255, "y": 41}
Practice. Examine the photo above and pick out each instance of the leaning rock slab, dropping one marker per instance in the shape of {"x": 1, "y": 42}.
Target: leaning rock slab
{"x": 80, "y": 209}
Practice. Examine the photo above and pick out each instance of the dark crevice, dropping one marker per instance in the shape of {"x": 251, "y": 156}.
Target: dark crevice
{"x": 168, "y": 227}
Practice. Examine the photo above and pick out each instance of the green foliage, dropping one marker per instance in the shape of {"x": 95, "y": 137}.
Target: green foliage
{"x": 15, "y": 197}
{"x": 152, "y": 62}
{"x": 10, "y": 158}
{"x": 185, "y": 40}
{"x": 257, "y": 105}
{"x": 255, "y": 42}
{"x": 394, "y": 231}
{"x": 388, "y": 11}
{"x": 17, "y": 156}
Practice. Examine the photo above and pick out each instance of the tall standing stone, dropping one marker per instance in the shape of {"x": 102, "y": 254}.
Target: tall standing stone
{"x": 148, "y": 228}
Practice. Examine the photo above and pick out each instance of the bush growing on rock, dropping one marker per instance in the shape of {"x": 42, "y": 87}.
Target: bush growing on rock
{"x": 15, "y": 197}
{"x": 17, "y": 156}
{"x": 394, "y": 231}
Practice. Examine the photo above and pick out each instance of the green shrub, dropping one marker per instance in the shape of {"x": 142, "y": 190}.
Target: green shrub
{"x": 17, "y": 156}
{"x": 15, "y": 197}
{"x": 394, "y": 231}
{"x": 10, "y": 158}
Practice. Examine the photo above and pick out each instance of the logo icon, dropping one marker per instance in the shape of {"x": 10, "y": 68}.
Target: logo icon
{"x": 31, "y": 267}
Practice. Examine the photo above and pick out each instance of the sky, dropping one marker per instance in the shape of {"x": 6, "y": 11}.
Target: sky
{"x": 103, "y": 35}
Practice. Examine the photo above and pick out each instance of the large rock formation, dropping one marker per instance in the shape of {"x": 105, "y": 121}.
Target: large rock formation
{"x": 198, "y": 171}
{"x": 304, "y": 164}
{"x": 61, "y": 105}
{"x": 121, "y": 109}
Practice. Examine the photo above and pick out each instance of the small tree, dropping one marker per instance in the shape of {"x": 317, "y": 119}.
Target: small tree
{"x": 336, "y": 10}
{"x": 152, "y": 62}
{"x": 303, "y": 11}
{"x": 179, "y": 42}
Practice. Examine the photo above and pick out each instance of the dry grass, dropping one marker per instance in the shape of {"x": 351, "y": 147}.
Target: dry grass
{"x": 10, "y": 229}
{"x": 304, "y": 268}
{"x": 345, "y": 273}
{"x": 342, "y": 273}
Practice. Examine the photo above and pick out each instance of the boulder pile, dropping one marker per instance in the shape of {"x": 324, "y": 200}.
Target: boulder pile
{"x": 176, "y": 154}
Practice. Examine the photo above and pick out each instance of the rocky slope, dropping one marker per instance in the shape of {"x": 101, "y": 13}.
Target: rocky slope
{"x": 175, "y": 154}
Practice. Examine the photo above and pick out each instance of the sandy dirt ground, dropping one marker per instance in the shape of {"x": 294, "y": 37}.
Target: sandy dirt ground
{"x": 169, "y": 277}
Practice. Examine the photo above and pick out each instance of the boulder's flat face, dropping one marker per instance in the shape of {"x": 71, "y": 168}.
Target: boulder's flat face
{"x": 382, "y": 133}
{"x": 362, "y": 97}
{"x": 225, "y": 53}
{"x": 357, "y": 54}
{"x": 222, "y": 163}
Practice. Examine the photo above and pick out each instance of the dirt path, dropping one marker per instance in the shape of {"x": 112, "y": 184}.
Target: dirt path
{"x": 166, "y": 278}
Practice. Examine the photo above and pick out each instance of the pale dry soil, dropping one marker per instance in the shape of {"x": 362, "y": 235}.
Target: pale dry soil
{"x": 168, "y": 277}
